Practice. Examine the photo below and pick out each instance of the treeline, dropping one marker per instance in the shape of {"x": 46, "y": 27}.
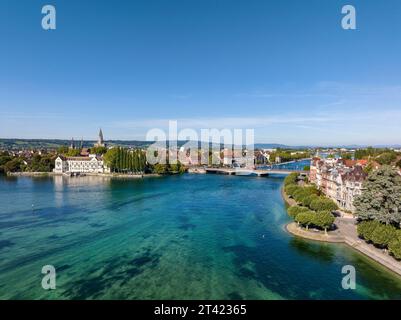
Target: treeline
{"x": 383, "y": 156}
{"x": 286, "y": 155}
{"x": 382, "y": 236}
{"x": 379, "y": 210}
{"x": 34, "y": 163}
{"x": 126, "y": 161}
{"x": 69, "y": 152}
{"x": 313, "y": 209}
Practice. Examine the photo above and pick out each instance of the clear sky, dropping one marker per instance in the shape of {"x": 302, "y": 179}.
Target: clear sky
{"x": 283, "y": 67}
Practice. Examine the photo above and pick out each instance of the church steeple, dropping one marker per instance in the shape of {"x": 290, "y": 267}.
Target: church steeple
{"x": 100, "y": 140}
{"x": 72, "y": 145}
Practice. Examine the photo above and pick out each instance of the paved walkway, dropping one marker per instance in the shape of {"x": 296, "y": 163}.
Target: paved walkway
{"x": 346, "y": 232}
{"x": 347, "y": 228}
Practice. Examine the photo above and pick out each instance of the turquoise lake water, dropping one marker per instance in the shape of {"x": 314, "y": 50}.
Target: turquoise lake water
{"x": 177, "y": 237}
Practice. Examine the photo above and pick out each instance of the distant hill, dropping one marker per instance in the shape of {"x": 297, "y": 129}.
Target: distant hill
{"x": 55, "y": 143}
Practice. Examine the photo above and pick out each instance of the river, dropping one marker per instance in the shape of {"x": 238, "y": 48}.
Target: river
{"x": 176, "y": 237}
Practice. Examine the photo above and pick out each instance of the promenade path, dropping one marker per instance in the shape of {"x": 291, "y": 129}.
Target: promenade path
{"x": 347, "y": 228}
{"x": 346, "y": 232}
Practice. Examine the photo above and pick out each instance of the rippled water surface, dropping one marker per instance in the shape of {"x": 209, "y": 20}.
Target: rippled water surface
{"x": 178, "y": 237}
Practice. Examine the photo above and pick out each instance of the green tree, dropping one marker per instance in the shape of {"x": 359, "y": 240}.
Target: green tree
{"x": 394, "y": 245}
{"x": 295, "y": 210}
{"x": 305, "y": 218}
{"x": 98, "y": 150}
{"x": 387, "y": 157}
{"x": 381, "y": 197}
{"x": 323, "y": 220}
{"x": 366, "y": 228}
{"x": 383, "y": 234}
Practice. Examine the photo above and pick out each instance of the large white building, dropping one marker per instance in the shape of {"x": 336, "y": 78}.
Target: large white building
{"x": 91, "y": 164}
{"x": 84, "y": 163}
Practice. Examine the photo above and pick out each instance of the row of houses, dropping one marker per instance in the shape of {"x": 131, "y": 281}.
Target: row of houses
{"x": 339, "y": 179}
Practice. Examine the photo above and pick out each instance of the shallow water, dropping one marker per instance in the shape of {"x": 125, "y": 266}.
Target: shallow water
{"x": 178, "y": 237}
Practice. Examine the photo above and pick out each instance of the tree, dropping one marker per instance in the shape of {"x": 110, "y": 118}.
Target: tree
{"x": 322, "y": 204}
{"x": 305, "y": 218}
{"x": 387, "y": 157}
{"x": 291, "y": 179}
{"x": 394, "y": 245}
{"x": 323, "y": 220}
{"x": 15, "y": 165}
{"x": 381, "y": 197}
{"x": 98, "y": 150}
{"x": 160, "y": 168}
{"x": 295, "y": 210}
{"x": 62, "y": 150}
{"x": 111, "y": 157}
{"x": 366, "y": 228}
{"x": 383, "y": 234}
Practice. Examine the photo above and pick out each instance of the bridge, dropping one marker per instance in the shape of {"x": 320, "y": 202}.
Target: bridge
{"x": 253, "y": 172}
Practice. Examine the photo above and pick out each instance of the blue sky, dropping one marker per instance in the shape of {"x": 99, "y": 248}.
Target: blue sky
{"x": 285, "y": 68}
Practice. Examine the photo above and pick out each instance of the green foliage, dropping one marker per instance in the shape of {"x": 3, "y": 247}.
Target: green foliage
{"x": 160, "y": 168}
{"x": 291, "y": 179}
{"x": 369, "y": 152}
{"x": 323, "y": 204}
{"x": 41, "y": 163}
{"x": 63, "y": 150}
{"x": 394, "y": 245}
{"x": 177, "y": 168}
{"x": 378, "y": 233}
{"x": 305, "y": 218}
{"x": 290, "y": 189}
{"x": 124, "y": 160}
{"x": 306, "y": 168}
{"x": 382, "y": 234}
{"x": 387, "y": 158}
{"x": 323, "y": 220}
{"x": 289, "y": 155}
{"x": 308, "y": 200}
{"x": 295, "y": 210}
{"x": 73, "y": 153}
{"x": 14, "y": 165}
{"x": 98, "y": 150}
{"x": 381, "y": 197}
{"x": 366, "y": 228}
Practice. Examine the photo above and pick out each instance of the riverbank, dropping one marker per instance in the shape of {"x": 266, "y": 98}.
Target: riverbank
{"x": 103, "y": 175}
{"x": 346, "y": 232}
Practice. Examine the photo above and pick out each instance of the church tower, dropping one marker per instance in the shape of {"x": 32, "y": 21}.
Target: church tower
{"x": 100, "y": 141}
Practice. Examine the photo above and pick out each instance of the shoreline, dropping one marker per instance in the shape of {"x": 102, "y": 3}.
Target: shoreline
{"x": 101, "y": 175}
{"x": 359, "y": 245}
